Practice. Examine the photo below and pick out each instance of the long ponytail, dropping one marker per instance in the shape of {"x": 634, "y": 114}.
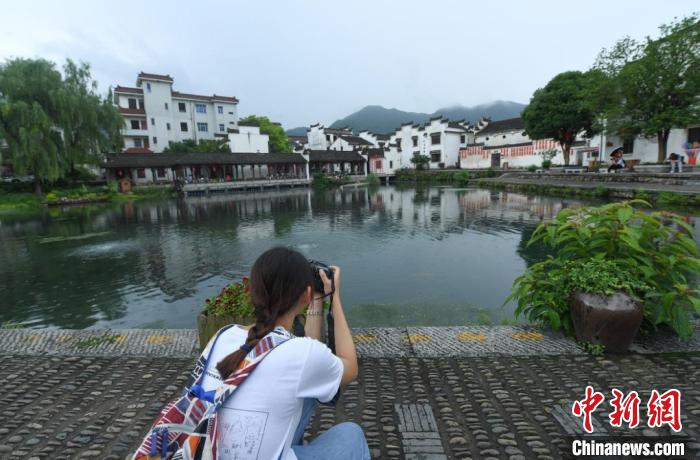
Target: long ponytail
{"x": 278, "y": 278}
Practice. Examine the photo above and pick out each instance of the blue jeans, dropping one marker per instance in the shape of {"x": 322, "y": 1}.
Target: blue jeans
{"x": 345, "y": 441}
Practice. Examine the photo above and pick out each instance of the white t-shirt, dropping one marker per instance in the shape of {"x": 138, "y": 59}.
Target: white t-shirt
{"x": 259, "y": 420}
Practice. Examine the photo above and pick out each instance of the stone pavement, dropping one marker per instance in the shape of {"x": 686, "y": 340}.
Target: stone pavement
{"x": 466, "y": 403}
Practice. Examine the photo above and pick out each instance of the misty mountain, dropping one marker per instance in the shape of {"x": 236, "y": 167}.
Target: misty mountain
{"x": 378, "y": 119}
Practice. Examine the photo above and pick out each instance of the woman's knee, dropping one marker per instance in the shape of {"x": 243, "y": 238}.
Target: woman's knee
{"x": 351, "y": 430}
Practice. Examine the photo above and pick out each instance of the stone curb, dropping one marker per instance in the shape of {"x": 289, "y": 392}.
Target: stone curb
{"x": 421, "y": 342}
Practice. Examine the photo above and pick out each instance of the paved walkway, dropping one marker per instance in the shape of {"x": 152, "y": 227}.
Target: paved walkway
{"x": 624, "y": 188}
{"x": 97, "y": 402}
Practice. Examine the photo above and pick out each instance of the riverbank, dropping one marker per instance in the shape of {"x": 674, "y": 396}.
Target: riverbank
{"x": 501, "y": 403}
{"x": 459, "y": 176}
{"x": 27, "y": 201}
{"x": 660, "y": 189}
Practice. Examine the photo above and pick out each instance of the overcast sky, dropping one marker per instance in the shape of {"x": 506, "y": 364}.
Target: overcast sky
{"x": 301, "y": 62}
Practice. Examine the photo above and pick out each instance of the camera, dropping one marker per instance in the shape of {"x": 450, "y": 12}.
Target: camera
{"x": 316, "y": 268}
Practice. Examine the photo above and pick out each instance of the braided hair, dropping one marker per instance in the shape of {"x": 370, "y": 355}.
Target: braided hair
{"x": 278, "y": 279}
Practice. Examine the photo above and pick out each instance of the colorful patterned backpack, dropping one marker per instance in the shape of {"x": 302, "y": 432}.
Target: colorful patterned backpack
{"x": 186, "y": 428}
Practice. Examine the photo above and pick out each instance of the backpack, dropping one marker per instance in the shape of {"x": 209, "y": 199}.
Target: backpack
{"x": 186, "y": 427}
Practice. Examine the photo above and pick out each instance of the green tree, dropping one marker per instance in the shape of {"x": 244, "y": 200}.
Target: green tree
{"x": 29, "y": 109}
{"x": 562, "y": 109}
{"x": 203, "y": 146}
{"x": 89, "y": 124}
{"x": 420, "y": 161}
{"x": 652, "y": 86}
{"x": 279, "y": 143}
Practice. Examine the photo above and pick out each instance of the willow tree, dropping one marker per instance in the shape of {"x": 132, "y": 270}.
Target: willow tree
{"x": 89, "y": 124}
{"x": 653, "y": 86}
{"x": 562, "y": 109}
{"x": 29, "y": 109}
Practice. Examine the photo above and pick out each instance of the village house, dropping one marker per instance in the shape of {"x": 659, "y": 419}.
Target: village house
{"x": 321, "y": 138}
{"x": 248, "y": 138}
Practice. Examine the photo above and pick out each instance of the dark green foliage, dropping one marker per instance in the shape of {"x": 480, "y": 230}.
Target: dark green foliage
{"x": 652, "y": 256}
{"x": 421, "y": 161}
{"x": 532, "y": 168}
{"x": 462, "y": 177}
{"x": 323, "y": 182}
{"x": 52, "y": 123}
{"x": 202, "y": 146}
{"x": 562, "y": 109}
{"x": 279, "y": 143}
{"x": 650, "y": 87}
{"x": 372, "y": 180}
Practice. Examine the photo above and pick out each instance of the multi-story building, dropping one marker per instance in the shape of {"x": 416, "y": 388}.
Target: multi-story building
{"x": 156, "y": 115}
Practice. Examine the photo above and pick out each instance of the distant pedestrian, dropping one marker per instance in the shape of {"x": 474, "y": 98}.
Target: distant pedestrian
{"x": 616, "y": 160}
{"x": 676, "y": 162}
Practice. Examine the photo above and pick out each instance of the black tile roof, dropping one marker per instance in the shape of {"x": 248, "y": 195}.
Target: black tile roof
{"x": 355, "y": 140}
{"x": 162, "y": 160}
{"x": 332, "y": 156}
{"x": 511, "y": 124}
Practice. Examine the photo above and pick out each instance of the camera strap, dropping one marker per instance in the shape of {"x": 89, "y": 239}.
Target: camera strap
{"x": 330, "y": 337}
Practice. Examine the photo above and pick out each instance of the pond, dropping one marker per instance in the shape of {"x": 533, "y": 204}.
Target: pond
{"x": 427, "y": 256}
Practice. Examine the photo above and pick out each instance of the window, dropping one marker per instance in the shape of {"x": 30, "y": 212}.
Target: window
{"x": 200, "y": 108}
{"x": 166, "y": 106}
{"x": 160, "y": 172}
{"x": 693, "y": 135}
{"x": 132, "y": 103}
{"x": 628, "y": 145}
{"x": 222, "y": 128}
{"x": 435, "y": 157}
{"x": 415, "y": 141}
{"x": 183, "y": 127}
{"x": 435, "y": 138}
{"x": 155, "y": 140}
{"x": 137, "y": 142}
{"x": 487, "y": 138}
{"x": 230, "y": 113}
{"x": 398, "y": 144}
{"x": 181, "y": 107}
{"x": 328, "y": 137}
{"x": 167, "y": 126}
{"x": 221, "y": 109}
{"x": 153, "y": 121}
{"x": 148, "y": 87}
{"x": 202, "y": 127}
{"x": 135, "y": 124}
{"x": 391, "y": 165}
{"x": 143, "y": 124}
{"x": 462, "y": 138}
{"x": 504, "y": 136}
{"x": 140, "y": 103}
{"x": 141, "y": 173}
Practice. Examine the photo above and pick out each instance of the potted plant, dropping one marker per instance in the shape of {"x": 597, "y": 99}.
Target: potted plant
{"x": 612, "y": 258}
{"x": 232, "y": 305}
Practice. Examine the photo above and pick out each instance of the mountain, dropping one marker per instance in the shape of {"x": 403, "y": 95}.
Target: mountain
{"x": 378, "y": 119}
{"x": 300, "y": 131}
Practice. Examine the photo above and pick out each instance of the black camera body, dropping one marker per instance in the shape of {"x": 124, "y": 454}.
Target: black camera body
{"x": 316, "y": 268}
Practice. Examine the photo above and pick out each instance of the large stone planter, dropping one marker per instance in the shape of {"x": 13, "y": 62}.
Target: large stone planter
{"x": 209, "y": 325}
{"x": 611, "y": 321}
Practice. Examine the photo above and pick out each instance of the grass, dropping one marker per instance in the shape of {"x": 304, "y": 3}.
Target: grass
{"x": 16, "y": 200}
{"x": 92, "y": 342}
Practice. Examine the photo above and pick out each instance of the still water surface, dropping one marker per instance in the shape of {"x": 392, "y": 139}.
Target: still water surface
{"x": 437, "y": 256}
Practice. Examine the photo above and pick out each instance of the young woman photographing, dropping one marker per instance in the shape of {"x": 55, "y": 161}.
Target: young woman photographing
{"x": 266, "y": 416}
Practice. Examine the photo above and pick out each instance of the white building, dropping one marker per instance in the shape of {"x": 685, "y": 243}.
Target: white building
{"x": 440, "y": 139}
{"x": 156, "y": 115}
{"x": 682, "y": 141}
{"x": 321, "y": 138}
{"x": 248, "y": 138}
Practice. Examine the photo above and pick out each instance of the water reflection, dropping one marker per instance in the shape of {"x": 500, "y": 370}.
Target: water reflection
{"x": 410, "y": 256}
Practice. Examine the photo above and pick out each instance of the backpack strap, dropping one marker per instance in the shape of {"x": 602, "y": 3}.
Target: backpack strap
{"x": 196, "y": 389}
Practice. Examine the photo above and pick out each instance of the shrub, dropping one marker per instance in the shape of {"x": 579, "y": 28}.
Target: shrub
{"x": 652, "y": 256}
{"x": 490, "y": 173}
{"x": 532, "y": 168}
{"x": 372, "y": 180}
{"x": 233, "y": 300}
{"x": 546, "y": 164}
{"x": 51, "y": 197}
{"x": 461, "y": 177}
{"x": 322, "y": 182}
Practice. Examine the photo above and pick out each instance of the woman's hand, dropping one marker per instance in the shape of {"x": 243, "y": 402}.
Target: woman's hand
{"x": 327, "y": 287}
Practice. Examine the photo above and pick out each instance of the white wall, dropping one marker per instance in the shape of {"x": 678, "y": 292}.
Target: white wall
{"x": 248, "y": 139}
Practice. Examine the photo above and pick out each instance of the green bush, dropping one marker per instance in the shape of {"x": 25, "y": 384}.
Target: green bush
{"x": 546, "y": 164}
{"x": 532, "y": 168}
{"x": 373, "y": 180}
{"x": 461, "y": 177}
{"x": 322, "y": 182}
{"x": 652, "y": 256}
{"x": 491, "y": 173}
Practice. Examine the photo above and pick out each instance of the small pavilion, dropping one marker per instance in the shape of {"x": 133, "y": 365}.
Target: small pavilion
{"x": 337, "y": 161}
